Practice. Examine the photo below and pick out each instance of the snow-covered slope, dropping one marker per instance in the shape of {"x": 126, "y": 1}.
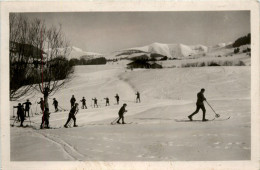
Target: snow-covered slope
{"x": 154, "y": 135}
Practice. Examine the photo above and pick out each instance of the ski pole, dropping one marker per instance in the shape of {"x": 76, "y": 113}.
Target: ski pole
{"x": 31, "y": 112}
{"x": 14, "y": 121}
{"x": 30, "y": 120}
{"x": 13, "y": 112}
{"x": 217, "y": 115}
{"x": 114, "y": 120}
{"x": 36, "y": 109}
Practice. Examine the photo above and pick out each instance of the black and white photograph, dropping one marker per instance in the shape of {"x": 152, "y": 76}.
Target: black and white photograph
{"x": 134, "y": 86}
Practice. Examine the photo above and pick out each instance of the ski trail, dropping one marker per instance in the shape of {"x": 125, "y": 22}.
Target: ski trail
{"x": 70, "y": 151}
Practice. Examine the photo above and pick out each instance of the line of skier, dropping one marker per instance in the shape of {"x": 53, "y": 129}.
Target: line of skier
{"x": 21, "y": 112}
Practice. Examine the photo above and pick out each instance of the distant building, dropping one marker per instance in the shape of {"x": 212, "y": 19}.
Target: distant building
{"x": 143, "y": 64}
{"x": 155, "y": 65}
{"x": 26, "y": 50}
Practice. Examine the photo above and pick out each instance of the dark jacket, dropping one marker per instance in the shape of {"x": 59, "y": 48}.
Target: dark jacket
{"x": 83, "y": 101}
{"x": 41, "y": 103}
{"x": 55, "y": 102}
{"x": 72, "y": 100}
{"x": 27, "y": 105}
{"x": 20, "y": 110}
{"x": 122, "y": 111}
{"x": 200, "y": 98}
{"x": 73, "y": 110}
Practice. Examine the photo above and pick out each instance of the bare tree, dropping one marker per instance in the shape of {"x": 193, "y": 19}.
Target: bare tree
{"x": 37, "y": 57}
{"x": 21, "y": 55}
{"x": 57, "y": 70}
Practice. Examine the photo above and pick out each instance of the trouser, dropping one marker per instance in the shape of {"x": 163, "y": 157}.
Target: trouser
{"x": 121, "y": 117}
{"x": 45, "y": 119}
{"x": 138, "y": 100}
{"x": 84, "y": 106}
{"x": 21, "y": 115}
{"x": 18, "y": 116}
{"x": 22, "y": 119}
{"x": 72, "y": 104}
{"x": 56, "y": 108}
{"x": 71, "y": 116}
{"x": 107, "y": 103}
{"x": 27, "y": 110}
{"x": 95, "y": 104}
{"x": 202, "y": 107}
{"x": 117, "y": 101}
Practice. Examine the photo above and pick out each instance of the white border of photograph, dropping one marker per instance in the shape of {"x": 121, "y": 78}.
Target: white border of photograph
{"x": 79, "y": 6}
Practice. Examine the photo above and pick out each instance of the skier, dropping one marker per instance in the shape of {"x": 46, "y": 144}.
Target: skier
{"x": 95, "y": 102}
{"x": 74, "y": 110}
{"x": 121, "y": 114}
{"x": 72, "y": 101}
{"x": 138, "y": 97}
{"x": 27, "y": 107}
{"x": 83, "y": 103}
{"x": 41, "y": 104}
{"x": 200, "y": 105}
{"x": 107, "y": 101}
{"x": 45, "y": 118}
{"x": 55, "y": 103}
{"x": 20, "y": 113}
{"x": 117, "y": 98}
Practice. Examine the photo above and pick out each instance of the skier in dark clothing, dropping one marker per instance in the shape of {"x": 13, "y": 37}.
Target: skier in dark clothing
{"x": 117, "y": 98}
{"x": 55, "y": 103}
{"x": 72, "y": 101}
{"x": 107, "y": 101}
{"x": 200, "y": 105}
{"x": 95, "y": 102}
{"x": 27, "y": 107}
{"x": 138, "y": 97}
{"x": 121, "y": 114}
{"x": 41, "y": 104}
{"x": 83, "y": 103}
{"x": 20, "y": 113}
{"x": 45, "y": 118}
{"x": 74, "y": 110}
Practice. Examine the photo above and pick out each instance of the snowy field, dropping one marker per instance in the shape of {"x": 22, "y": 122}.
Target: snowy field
{"x": 153, "y": 135}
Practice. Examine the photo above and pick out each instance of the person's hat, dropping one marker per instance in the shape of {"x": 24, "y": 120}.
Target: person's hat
{"x": 54, "y": 99}
{"x": 124, "y": 104}
{"x": 83, "y": 97}
{"x": 202, "y": 89}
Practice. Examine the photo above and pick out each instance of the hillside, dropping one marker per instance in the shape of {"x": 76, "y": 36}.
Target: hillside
{"x": 154, "y": 135}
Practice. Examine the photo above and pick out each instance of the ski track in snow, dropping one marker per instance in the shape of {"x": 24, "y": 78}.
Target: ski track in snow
{"x": 67, "y": 148}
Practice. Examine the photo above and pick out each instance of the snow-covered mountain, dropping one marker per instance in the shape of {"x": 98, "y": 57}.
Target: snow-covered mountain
{"x": 169, "y": 50}
{"x": 77, "y": 53}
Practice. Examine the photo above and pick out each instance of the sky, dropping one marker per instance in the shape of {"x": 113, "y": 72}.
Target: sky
{"x": 105, "y": 32}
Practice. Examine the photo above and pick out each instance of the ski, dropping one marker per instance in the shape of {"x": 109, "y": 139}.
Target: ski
{"x": 121, "y": 123}
{"x": 209, "y": 120}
